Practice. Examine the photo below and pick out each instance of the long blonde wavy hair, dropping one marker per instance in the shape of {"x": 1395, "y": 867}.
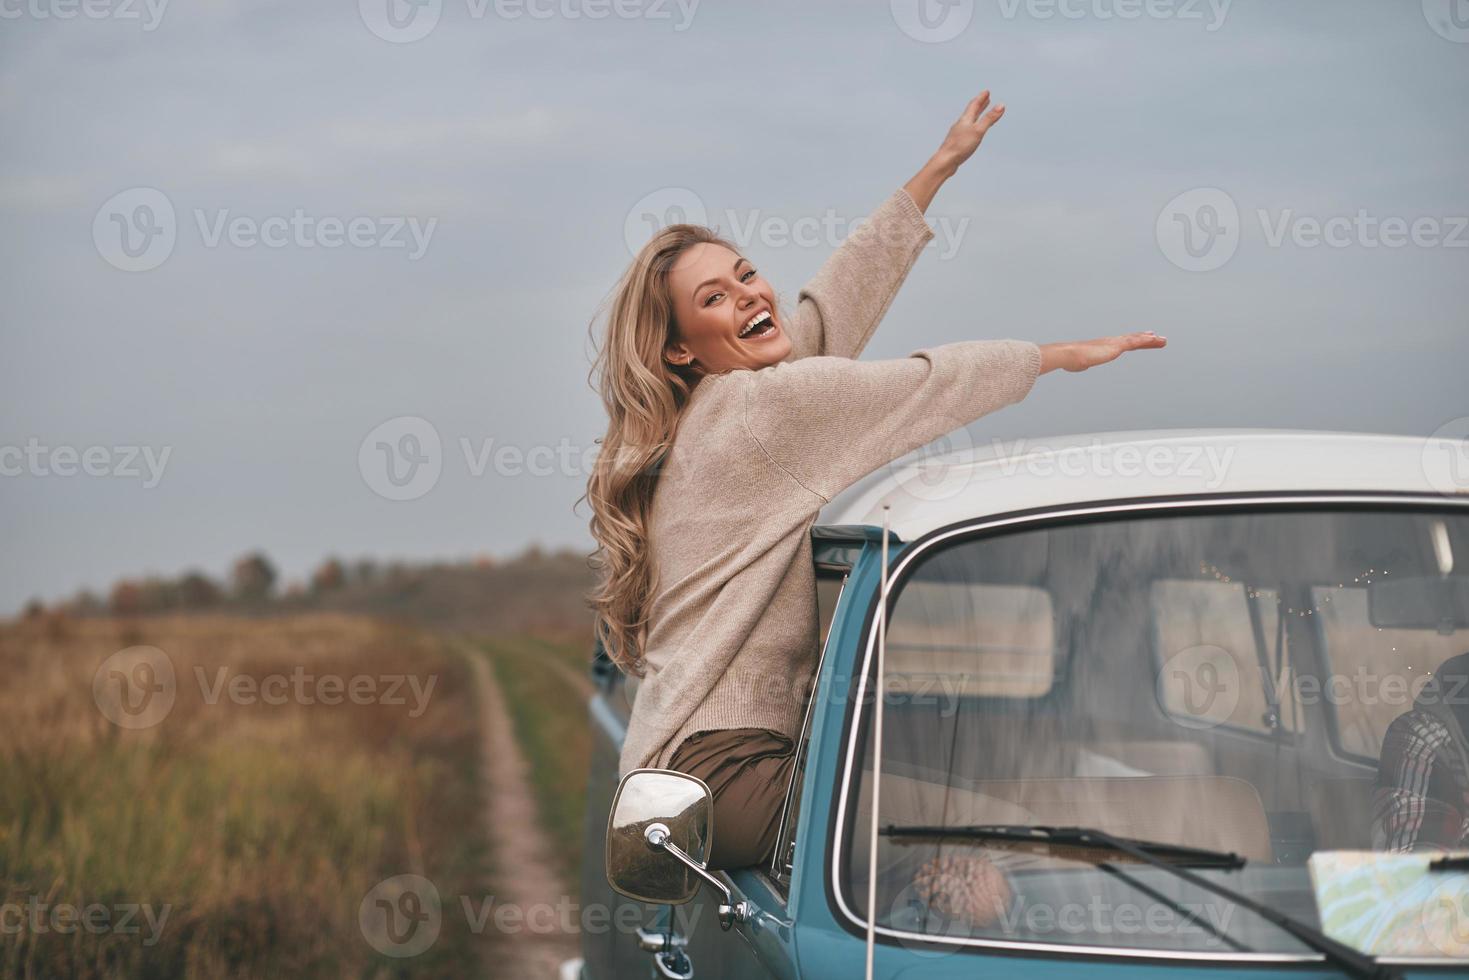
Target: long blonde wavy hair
{"x": 644, "y": 396}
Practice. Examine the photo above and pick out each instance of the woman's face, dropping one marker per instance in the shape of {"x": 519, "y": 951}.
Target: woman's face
{"x": 716, "y": 295}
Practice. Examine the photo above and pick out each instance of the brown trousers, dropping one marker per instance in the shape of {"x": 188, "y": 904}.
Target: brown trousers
{"x": 748, "y": 771}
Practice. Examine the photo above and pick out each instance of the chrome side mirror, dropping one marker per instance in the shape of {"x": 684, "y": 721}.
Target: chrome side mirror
{"x": 658, "y": 837}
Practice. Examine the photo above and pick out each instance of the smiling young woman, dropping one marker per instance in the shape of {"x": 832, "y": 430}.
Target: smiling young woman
{"x": 730, "y": 424}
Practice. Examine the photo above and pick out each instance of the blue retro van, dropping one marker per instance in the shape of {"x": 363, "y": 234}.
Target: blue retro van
{"x": 1164, "y": 704}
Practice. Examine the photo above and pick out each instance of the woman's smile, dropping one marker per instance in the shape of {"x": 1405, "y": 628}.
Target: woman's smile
{"x": 760, "y": 327}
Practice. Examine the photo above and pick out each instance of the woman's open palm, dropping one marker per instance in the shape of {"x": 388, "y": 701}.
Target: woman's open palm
{"x": 968, "y": 132}
{"x": 1082, "y": 354}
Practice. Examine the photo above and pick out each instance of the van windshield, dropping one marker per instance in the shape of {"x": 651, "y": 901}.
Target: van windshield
{"x": 1288, "y": 685}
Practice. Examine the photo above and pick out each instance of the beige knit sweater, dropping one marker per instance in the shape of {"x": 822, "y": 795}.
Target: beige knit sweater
{"x": 732, "y": 638}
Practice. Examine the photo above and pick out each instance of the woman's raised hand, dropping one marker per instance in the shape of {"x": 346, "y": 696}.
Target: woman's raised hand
{"x": 959, "y": 145}
{"x": 968, "y": 132}
{"x": 1082, "y": 354}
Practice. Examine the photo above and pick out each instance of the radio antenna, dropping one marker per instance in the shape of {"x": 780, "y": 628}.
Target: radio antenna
{"x": 882, "y": 642}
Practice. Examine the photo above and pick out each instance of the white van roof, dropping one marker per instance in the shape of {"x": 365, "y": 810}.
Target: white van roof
{"x": 957, "y": 478}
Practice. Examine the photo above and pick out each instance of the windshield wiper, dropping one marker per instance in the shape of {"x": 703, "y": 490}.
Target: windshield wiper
{"x": 1351, "y": 961}
{"x": 1176, "y": 854}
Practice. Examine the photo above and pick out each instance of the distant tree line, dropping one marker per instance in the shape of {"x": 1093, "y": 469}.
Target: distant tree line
{"x": 254, "y": 583}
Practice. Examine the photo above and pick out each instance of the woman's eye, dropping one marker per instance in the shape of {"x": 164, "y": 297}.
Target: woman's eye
{"x": 744, "y": 277}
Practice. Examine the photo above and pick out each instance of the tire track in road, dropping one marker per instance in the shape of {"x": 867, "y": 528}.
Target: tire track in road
{"x": 521, "y": 855}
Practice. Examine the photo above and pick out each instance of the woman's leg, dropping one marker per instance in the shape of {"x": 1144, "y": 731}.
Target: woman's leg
{"x": 748, "y": 771}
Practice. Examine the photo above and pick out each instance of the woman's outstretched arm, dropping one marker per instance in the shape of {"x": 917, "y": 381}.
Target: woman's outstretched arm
{"x": 827, "y": 421}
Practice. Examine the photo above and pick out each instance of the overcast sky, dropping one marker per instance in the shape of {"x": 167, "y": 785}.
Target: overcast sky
{"x": 240, "y": 237}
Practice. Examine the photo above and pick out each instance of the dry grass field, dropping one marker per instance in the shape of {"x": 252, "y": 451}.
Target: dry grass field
{"x": 236, "y": 830}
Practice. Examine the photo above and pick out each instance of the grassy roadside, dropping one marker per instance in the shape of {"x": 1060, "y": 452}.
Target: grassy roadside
{"x": 550, "y": 718}
{"x": 233, "y": 837}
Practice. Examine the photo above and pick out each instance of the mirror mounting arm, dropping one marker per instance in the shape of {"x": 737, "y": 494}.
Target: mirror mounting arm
{"x": 657, "y": 835}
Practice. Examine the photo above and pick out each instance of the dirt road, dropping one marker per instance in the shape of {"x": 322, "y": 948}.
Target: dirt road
{"x": 521, "y": 856}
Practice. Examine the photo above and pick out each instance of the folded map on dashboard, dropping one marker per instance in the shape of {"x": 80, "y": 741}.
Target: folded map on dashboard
{"x": 1394, "y": 904}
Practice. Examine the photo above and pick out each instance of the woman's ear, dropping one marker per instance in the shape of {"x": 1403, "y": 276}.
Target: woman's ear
{"x": 677, "y": 354}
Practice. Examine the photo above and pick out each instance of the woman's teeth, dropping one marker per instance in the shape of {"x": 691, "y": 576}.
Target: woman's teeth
{"x": 760, "y": 323}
